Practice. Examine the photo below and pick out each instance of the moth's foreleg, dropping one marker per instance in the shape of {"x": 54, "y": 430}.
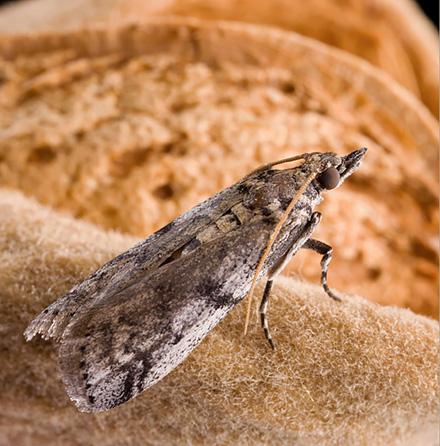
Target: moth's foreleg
{"x": 326, "y": 251}
{"x": 278, "y": 268}
{"x": 263, "y": 312}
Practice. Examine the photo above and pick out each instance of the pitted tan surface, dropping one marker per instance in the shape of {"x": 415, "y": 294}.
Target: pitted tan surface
{"x": 393, "y": 35}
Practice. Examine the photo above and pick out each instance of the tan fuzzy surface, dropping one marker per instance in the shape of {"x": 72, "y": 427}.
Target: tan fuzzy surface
{"x": 348, "y": 373}
{"x": 393, "y": 35}
{"x": 129, "y": 127}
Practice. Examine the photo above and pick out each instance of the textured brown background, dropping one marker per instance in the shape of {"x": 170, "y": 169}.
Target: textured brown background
{"x": 391, "y": 34}
{"x": 126, "y": 129}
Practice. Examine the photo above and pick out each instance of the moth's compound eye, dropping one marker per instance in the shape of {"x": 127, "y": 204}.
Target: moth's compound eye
{"x": 329, "y": 179}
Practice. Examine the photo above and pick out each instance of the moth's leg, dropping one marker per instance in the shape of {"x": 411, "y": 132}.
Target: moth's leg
{"x": 326, "y": 252}
{"x": 263, "y": 312}
{"x": 278, "y": 267}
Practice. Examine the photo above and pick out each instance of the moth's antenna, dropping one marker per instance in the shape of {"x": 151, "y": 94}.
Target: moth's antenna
{"x": 282, "y": 161}
{"x": 272, "y": 239}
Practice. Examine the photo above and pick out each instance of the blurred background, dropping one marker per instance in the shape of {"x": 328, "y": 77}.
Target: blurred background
{"x": 431, "y": 8}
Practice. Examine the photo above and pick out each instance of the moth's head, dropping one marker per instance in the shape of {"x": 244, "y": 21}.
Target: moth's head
{"x": 325, "y": 170}
{"x": 332, "y": 170}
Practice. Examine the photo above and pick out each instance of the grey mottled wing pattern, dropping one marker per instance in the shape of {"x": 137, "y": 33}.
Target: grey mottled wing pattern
{"x": 124, "y": 343}
{"x": 126, "y": 268}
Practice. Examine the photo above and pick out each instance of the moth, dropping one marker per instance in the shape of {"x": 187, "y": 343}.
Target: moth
{"x": 136, "y": 318}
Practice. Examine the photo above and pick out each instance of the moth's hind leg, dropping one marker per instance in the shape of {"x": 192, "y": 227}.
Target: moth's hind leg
{"x": 263, "y": 312}
{"x": 326, "y": 251}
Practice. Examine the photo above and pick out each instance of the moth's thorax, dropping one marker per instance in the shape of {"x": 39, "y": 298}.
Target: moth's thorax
{"x": 270, "y": 192}
{"x": 265, "y": 197}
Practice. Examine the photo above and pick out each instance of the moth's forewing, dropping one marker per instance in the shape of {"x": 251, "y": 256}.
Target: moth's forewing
{"x": 122, "y": 345}
{"x": 126, "y": 268}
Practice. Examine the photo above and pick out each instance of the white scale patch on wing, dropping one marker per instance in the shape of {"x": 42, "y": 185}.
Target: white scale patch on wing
{"x": 98, "y": 374}
{"x": 169, "y": 356}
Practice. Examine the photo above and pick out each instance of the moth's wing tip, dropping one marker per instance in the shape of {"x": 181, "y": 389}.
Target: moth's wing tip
{"x": 29, "y": 333}
{"x": 47, "y": 325}
{"x": 52, "y": 321}
{"x": 36, "y": 327}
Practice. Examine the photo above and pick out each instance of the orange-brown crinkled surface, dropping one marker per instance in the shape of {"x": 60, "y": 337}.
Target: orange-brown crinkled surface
{"x": 393, "y": 35}
{"x": 129, "y": 127}
{"x": 343, "y": 373}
